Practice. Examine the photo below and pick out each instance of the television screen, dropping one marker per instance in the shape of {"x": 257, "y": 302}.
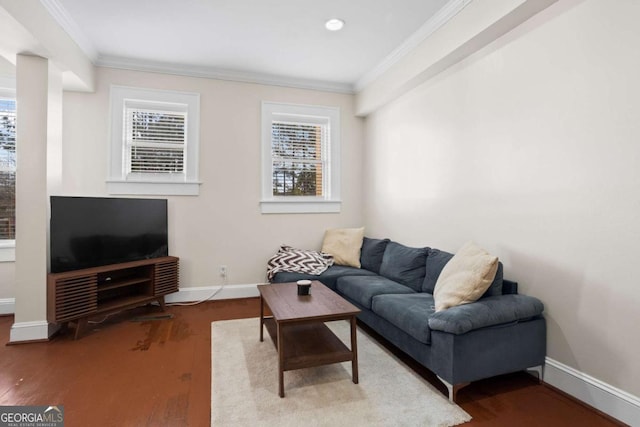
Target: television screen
{"x": 93, "y": 231}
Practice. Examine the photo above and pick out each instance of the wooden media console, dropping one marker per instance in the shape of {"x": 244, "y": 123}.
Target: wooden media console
{"x": 75, "y": 296}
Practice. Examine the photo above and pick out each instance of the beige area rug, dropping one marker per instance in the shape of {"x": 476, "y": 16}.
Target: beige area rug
{"x": 244, "y": 389}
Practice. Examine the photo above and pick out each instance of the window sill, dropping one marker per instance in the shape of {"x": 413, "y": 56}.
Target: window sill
{"x": 298, "y": 206}
{"x": 154, "y": 188}
{"x": 7, "y": 251}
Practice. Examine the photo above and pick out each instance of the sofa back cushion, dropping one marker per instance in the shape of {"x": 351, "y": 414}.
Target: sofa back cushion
{"x": 372, "y": 253}
{"x": 404, "y": 265}
{"x": 437, "y": 259}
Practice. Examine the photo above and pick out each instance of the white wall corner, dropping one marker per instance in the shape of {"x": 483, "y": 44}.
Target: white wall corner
{"x": 598, "y": 394}
{"x": 7, "y": 306}
{"x": 39, "y": 29}
{"x": 463, "y": 31}
{"x": 440, "y": 18}
{"x": 211, "y": 293}
{"x": 32, "y": 331}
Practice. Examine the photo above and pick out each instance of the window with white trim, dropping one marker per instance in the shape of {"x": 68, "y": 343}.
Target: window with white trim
{"x": 300, "y": 158}
{"x": 7, "y": 174}
{"x": 154, "y": 142}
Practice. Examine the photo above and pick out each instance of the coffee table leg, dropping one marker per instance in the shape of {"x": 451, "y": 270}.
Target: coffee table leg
{"x": 354, "y": 350}
{"x": 280, "y": 361}
{"x": 261, "y": 318}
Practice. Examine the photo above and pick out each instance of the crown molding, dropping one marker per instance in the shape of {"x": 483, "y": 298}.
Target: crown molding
{"x": 221, "y": 74}
{"x": 448, "y": 11}
{"x": 62, "y": 17}
{"x": 70, "y": 26}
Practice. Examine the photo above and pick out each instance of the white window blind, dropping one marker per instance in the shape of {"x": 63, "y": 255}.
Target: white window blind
{"x": 299, "y": 158}
{"x": 155, "y": 135}
{"x": 155, "y": 141}
{"x": 7, "y": 168}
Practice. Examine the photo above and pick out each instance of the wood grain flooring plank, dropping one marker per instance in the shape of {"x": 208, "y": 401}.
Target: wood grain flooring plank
{"x": 158, "y": 373}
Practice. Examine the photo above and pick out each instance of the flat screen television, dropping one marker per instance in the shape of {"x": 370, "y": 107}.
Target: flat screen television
{"x": 94, "y": 231}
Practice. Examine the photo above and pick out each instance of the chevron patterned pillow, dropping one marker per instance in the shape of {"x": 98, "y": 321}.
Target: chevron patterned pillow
{"x": 298, "y": 260}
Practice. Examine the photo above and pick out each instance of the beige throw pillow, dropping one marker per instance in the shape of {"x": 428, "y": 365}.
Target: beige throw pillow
{"x": 465, "y": 277}
{"x": 344, "y": 244}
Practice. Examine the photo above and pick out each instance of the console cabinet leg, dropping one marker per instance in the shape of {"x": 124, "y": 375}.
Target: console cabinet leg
{"x": 81, "y": 325}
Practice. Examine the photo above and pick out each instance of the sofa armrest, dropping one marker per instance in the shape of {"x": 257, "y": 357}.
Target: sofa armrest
{"x": 488, "y": 311}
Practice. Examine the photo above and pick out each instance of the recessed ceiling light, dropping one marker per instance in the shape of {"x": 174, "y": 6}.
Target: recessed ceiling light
{"x": 334, "y": 24}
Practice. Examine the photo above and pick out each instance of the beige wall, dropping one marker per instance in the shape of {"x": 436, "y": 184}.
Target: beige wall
{"x": 224, "y": 224}
{"x": 530, "y": 148}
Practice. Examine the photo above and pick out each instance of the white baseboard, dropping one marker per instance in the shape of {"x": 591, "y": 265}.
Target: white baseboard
{"x": 42, "y": 330}
{"x": 31, "y": 331}
{"x": 612, "y": 401}
{"x": 204, "y": 293}
{"x": 7, "y": 305}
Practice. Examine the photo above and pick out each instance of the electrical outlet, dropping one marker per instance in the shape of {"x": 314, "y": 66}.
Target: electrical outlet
{"x": 223, "y": 270}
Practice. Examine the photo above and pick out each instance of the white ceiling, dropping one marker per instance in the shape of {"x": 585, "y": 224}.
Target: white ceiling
{"x": 257, "y": 39}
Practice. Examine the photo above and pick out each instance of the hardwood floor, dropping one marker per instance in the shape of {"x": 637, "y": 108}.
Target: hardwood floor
{"x": 158, "y": 373}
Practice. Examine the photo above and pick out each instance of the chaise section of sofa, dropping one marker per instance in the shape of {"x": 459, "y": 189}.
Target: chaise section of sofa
{"x": 502, "y": 332}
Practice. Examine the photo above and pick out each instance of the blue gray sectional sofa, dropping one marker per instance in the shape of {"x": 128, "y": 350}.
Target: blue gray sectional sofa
{"x": 500, "y": 333}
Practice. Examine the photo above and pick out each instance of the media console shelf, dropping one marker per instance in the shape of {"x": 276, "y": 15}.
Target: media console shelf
{"x": 76, "y": 296}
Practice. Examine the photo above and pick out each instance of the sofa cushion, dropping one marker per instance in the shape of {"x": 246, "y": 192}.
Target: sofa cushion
{"x": 466, "y": 277}
{"x": 371, "y": 253}
{"x": 409, "y": 312}
{"x": 344, "y": 245}
{"x": 404, "y": 264}
{"x": 361, "y": 289}
{"x": 328, "y": 277}
{"x": 491, "y": 311}
{"x": 437, "y": 259}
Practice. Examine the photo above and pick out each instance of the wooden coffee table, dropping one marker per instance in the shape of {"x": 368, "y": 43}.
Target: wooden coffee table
{"x": 298, "y": 331}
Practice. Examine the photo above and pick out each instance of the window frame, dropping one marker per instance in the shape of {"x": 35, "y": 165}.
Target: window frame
{"x": 8, "y": 246}
{"x": 330, "y": 202}
{"x": 118, "y": 181}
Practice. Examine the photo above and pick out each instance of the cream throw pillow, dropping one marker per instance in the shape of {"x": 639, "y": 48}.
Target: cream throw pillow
{"x": 465, "y": 277}
{"x": 344, "y": 244}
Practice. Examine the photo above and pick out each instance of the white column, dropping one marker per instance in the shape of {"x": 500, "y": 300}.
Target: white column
{"x": 34, "y": 102}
